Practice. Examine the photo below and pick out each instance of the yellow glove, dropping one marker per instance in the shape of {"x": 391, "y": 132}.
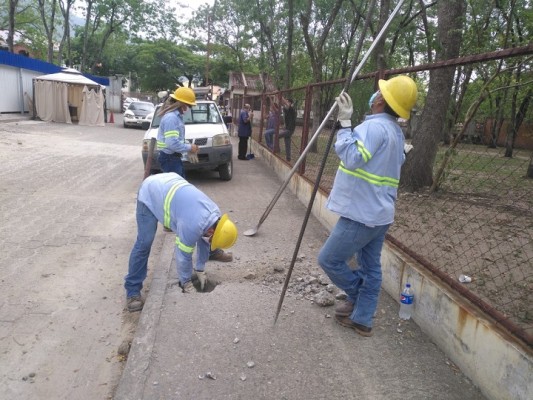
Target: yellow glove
{"x": 202, "y": 278}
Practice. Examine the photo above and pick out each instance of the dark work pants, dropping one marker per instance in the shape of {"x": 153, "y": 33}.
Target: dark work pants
{"x": 243, "y": 146}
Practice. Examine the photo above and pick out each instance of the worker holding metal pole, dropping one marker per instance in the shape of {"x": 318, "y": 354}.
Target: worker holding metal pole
{"x": 364, "y": 194}
{"x": 354, "y": 70}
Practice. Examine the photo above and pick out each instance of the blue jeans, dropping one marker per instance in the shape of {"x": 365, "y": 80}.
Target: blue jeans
{"x": 363, "y": 285}
{"x": 286, "y": 135}
{"x": 171, "y": 163}
{"x": 138, "y": 264}
{"x": 269, "y": 138}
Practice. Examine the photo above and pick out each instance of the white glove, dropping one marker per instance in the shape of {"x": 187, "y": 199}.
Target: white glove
{"x": 202, "y": 278}
{"x": 344, "y": 116}
{"x": 192, "y": 157}
{"x": 407, "y": 148}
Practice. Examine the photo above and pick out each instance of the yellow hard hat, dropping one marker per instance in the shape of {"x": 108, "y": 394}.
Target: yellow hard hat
{"x": 225, "y": 234}
{"x": 400, "y": 94}
{"x": 185, "y": 95}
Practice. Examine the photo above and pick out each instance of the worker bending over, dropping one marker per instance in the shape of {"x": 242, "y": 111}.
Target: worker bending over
{"x": 171, "y": 200}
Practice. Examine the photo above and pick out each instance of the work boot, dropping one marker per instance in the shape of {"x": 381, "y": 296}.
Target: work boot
{"x": 344, "y": 309}
{"x": 188, "y": 287}
{"x": 135, "y": 303}
{"x": 221, "y": 255}
{"x": 360, "y": 329}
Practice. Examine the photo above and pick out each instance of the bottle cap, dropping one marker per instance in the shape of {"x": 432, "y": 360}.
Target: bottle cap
{"x": 408, "y": 284}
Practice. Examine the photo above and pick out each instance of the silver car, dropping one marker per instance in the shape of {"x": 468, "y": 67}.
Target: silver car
{"x": 137, "y": 113}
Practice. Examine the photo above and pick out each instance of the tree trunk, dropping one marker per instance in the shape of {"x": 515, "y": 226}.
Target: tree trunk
{"x": 418, "y": 169}
{"x": 316, "y": 52}
{"x": 65, "y": 10}
{"x": 516, "y": 123}
{"x": 529, "y": 173}
{"x": 11, "y": 30}
{"x": 290, "y": 34}
{"x": 379, "y": 53}
{"x": 86, "y": 35}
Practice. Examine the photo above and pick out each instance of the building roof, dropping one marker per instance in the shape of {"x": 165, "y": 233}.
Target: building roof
{"x": 250, "y": 83}
{"x": 68, "y": 75}
{"x": 32, "y": 64}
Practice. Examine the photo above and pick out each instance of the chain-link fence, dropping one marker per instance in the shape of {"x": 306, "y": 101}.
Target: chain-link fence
{"x": 477, "y": 223}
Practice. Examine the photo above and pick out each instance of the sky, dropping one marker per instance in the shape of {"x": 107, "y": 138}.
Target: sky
{"x": 185, "y": 7}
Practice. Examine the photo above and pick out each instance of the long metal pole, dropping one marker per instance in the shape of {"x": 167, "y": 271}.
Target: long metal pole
{"x": 253, "y": 231}
{"x": 323, "y": 163}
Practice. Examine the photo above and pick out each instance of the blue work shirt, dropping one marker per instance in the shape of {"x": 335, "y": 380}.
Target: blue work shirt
{"x": 171, "y": 134}
{"x": 366, "y": 184}
{"x": 245, "y": 125}
{"x": 186, "y": 210}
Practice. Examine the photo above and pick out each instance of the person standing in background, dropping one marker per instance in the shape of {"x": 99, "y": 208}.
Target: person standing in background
{"x": 244, "y": 131}
{"x": 272, "y": 123}
{"x": 289, "y": 114}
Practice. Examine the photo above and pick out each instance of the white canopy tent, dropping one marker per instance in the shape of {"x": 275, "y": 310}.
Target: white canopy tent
{"x": 68, "y": 95}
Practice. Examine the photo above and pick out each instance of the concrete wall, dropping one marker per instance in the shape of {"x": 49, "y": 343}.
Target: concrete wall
{"x": 488, "y": 355}
{"x": 15, "y": 83}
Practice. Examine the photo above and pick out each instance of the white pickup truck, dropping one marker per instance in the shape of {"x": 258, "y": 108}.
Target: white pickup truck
{"x": 204, "y": 127}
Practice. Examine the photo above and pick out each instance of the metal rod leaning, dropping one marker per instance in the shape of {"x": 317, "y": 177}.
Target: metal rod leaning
{"x": 253, "y": 231}
{"x": 326, "y": 152}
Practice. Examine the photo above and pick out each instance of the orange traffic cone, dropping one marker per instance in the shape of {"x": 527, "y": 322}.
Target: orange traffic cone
{"x": 111, "y": 118}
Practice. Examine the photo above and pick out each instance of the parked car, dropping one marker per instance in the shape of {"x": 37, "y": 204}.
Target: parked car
{"x": 204, "y": 127}
{"x": 127, "y": 102}
{"x": 137, "y": 113}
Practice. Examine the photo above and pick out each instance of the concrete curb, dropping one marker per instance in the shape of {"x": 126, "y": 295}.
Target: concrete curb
{"x": 468, "y": 336}
{"x": 133, "y": 379}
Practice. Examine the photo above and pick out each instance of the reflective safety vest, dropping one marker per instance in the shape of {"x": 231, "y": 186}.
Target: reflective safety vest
{"x": 168, "y": 201}
{"x": 166, "y": 208}
{"x": 171, "y": 134}
{"x": 367, "y": 180}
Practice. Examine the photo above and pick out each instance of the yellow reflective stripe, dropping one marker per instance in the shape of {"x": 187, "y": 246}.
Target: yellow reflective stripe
{"x": 182, "y": 247}
{"x": 168, "y": 199}
{"x": 364, "y": 152}
{"x": 161, "y": 145}
{"x": 168, "y": 134}
{"x": 371, "y": 178}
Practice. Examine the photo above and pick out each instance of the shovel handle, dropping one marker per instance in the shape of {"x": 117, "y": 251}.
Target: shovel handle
{"x": 148, "y": 166}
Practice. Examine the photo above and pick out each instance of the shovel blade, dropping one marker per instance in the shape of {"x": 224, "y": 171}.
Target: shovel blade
{"x": 250, "y": 232}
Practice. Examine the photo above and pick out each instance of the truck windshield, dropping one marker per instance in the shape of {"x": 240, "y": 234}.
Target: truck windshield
{"x": 201, "y": 113}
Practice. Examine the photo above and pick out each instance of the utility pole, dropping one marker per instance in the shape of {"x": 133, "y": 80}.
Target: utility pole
{"x": 209, "y": 18}
{"x": 208, "y": 47}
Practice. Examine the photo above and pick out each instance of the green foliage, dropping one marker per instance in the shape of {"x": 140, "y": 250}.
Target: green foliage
{"x": 160, "y": 64}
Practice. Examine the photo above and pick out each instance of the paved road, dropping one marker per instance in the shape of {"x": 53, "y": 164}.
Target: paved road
{"x": 67, "y": 197}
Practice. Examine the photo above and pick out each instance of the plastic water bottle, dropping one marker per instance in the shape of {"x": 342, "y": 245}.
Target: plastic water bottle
{"x": 406, "y": 302}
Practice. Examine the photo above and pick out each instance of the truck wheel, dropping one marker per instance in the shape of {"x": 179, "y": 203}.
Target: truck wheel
{"x": 226, "y": 171}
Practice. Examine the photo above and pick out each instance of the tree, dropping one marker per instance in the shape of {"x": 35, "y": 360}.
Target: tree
{"x": 65, "y": 6}
{"x": 417, "y": 172}
{"x": 11, "y": 25}
{"x": 48, "y": 14}
{"x": 161, "y": 64}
